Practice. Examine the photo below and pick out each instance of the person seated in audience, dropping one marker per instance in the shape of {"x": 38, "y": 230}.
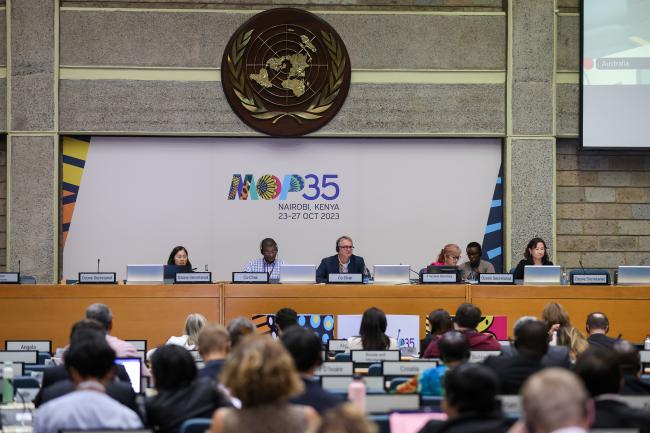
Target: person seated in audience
{"x": 454, "y": 350}
{"x": 214, "y": 345}
{"x": 239, "y": 328}
{"x": 556, "y": 356}
{"x": 474, "y": 267}
{"x": 91, "y": 365}
{"x": 438, "y": 322}
{"x": 269, "y": 262}
{"x": 305, "y": 349}
{"x": 531, "y": 342}
{"x": 343, "y": 262}
{"x": 554, "y": 400}
{"x": 261, "y": 374}
{"x": 470, "y": 402}
{"x": 629, "y": 360}
{"x": 181, "y": 395}
{"x": 284, "y": 318}
{"x": 372, "y": 332}
{"x": 561, "y": 331}
{"x": 123, "y": 349}
{"x": 346, "y": 418}
{"x": 180, "y": 257}
{"x": 449, "y": 256}
{"x": 57, "y": 380}
{"x": 536, "y": 254}
{"x": 468, "y": 316}
{"x": 597, "y": 328}
{"x": 193, "y": 324}
{"x": 600, "y": 371}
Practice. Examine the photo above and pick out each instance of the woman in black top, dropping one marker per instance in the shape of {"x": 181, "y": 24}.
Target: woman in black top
{"x": 536, "y": 254}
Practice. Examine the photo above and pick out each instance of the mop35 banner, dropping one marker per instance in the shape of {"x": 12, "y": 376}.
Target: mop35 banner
{"x": 269, "y": 187}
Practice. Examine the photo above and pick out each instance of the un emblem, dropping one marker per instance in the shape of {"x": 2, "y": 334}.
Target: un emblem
{"x": 285, "y": 72}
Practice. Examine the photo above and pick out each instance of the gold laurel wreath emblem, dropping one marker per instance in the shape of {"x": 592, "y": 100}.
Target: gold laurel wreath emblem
{"x": 251, "y": 102}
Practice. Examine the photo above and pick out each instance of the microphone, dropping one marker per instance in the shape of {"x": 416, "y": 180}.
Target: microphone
{"x": 97, "y": 264}
{"x": 19, "y": 266}
{"x": 398, "y": 332}
{"x": 582, "y": 267}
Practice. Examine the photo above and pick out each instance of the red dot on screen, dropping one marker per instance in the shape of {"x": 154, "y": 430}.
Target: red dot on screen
{"x": 588, "y": 63}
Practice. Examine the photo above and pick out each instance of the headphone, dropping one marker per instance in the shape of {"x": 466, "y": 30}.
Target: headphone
{"x": 268, "y": 240}
{"x": 339, "y": 241}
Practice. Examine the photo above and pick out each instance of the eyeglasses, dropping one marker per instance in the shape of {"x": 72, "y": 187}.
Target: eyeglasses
{"x": 346, "y": 247}
{"x": 453, "y": 257}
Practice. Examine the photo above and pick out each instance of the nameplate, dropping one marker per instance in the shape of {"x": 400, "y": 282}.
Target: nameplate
{"x": 9, "y": 278}
{"x": 25, "y": 356}
{"x": 345, "y": 278}
{"x": 510, "y": 404}
{"x": 385, "y": 403}
{"x": 38, "y": 345}
{"x": 439, "y": 278}
{"x": 477, "y": 356}
{"x": 337, "y": 345}
{"x": 372, "y": 356}
{"x": 590, "y": 279}
{"x": 138, "y": 344}
{"x": 97, "y": 278}
{"x": 406, "y": 368}
{"x": 637, "y": 401}
{"x": 250, "y": 277}
{"x": 193, "y": 277}
{"x": 645, "y": 356}
{"x": 339, "y": 384}
{"x": 335, "y": 369}
{"x": 496, "y": 279}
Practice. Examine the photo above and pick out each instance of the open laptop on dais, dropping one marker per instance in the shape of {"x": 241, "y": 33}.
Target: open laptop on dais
{"x": 543, "y": 275}
{"x": 392, "y": 274}
{"x": 145, "y": 274}
{"x": 297, "y": 274}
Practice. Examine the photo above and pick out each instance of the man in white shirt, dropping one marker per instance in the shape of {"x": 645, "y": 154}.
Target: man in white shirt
{"x": 91, "y": 366}
{"x": 269, "y": 262}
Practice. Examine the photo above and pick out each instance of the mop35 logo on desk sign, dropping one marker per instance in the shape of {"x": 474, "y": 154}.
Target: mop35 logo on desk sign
{"x": 270, "y": 187}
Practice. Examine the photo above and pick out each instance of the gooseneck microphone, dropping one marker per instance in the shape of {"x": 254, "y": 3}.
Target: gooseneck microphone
{"x": 399, "y": 331}
{"x": 582, "y": 267}
{"x": 19, "y": 266}
{"x": 98, "y": 265}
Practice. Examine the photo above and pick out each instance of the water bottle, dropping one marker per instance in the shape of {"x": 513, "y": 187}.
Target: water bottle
{"x": 357, "y": 393}
{"x": 7, "y": 383}
{"x": 646, "y": 343}
{"x": 565, "y": 281}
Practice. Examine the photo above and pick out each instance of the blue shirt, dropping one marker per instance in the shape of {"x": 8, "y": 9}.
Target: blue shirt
{"x": 260, "y": 265}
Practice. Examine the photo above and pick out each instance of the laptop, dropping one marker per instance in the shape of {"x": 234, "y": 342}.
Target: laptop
{"x": 134, "y": 370}
{"x": 297, "y": 274}
{"x": 145, "y": 274}
{"x": 392, "y": 274}
{"x": 543, "y": 275}
{"x": 633, "y": 275}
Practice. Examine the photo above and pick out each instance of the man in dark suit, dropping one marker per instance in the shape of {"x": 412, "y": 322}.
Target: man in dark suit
{"x": 305, "y": 349}
{"x": 531, "y": 342}
{"x": 600, "y": 371}
{"x": 556, "y": 356}
{"x": 630, "y": 361}
{"x": 597, "y": 328}
{"x": 344, "y": 262}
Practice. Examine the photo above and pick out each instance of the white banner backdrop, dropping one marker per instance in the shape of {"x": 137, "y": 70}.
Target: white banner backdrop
{"x": 400, "y": 200}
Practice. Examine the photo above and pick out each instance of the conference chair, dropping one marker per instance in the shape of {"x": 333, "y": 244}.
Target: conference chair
{"x": 343, "y": 357}
{"x": 195, "y": 425}
{"x": 382, "y": 422}
{"x": 374, "y": 370}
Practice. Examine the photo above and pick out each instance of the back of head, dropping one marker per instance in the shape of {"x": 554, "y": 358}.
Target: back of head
{"x": 346, "y": 418}
{"x": 373, "y": 329}
{"x": 453, "y": 346}
{"x": 468, "y": 316}
{"x": 91, "y": 356}
{"x": 193, "y": 324}
{"x": 629, "y": 359}
{"x": 304, "y": 347}
{"x": 173, "y": 367}
{"x": 100, "y": 313}
{"x": 82, "y": 328}
{"x": 471, "y": 388}
{"x": 532, "y": 338}
{"x": 286, "y": 317}
{"x": 555, "y": 313}
{"x": 597, "y": 322}
{"x": 260, "y": 371}
{"x": 440, "y": 321}
{"x": 238, "y": 328}
{"x": 599, "y": 370}
{"x": 213, "y": 338}
{"x": 552, "y": 399}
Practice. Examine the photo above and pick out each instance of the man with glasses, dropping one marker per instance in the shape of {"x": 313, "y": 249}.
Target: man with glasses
{"x": 269, "y": 262}
{"x": 343, "y": 262}
{"x": 474, "y": 267}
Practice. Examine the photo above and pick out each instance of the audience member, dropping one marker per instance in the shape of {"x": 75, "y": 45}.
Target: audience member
{"x": 193, "y": 324}
{"x": 559, "y": 325}
{"x": 239, "y": 328}
{"x": 372, "y": 332}
{"x": 597, "y": 328}
{"x": 180, "y": 394}
{"x": 474, "y": 267}
{"x": 599, "y": 370}
{"x": 346, "y": 418}
{"x": 91, "y": 366}
{"x": 556, "y": 356}
{"x": 438, "y": 322}
{"x": 531, "y": 343}
{"x": 468, "y": 316}
{"x": 214, "y": 345}
{"x": 470, "y": 402}
{"x": 554, "y": 400}
{"x": 284, "y": 318}
{"x": 536, "y": 254}
{"x": 449, "y": 256}
{"x": 261, "y": 374}
{"x": 629, "y": 360}
{"x": 305, "y": 349}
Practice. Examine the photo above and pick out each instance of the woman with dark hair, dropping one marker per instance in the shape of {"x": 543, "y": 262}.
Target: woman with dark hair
{"x": 372, "y": 332}
{"x": 536, "y": 254}
{"x": 438, "y": 322}
{"x": 180, "y": 394}
{"x": 179, "y": 257}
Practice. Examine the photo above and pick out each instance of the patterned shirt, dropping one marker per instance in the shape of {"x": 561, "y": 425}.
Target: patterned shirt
{"x": 260, "y": 265}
